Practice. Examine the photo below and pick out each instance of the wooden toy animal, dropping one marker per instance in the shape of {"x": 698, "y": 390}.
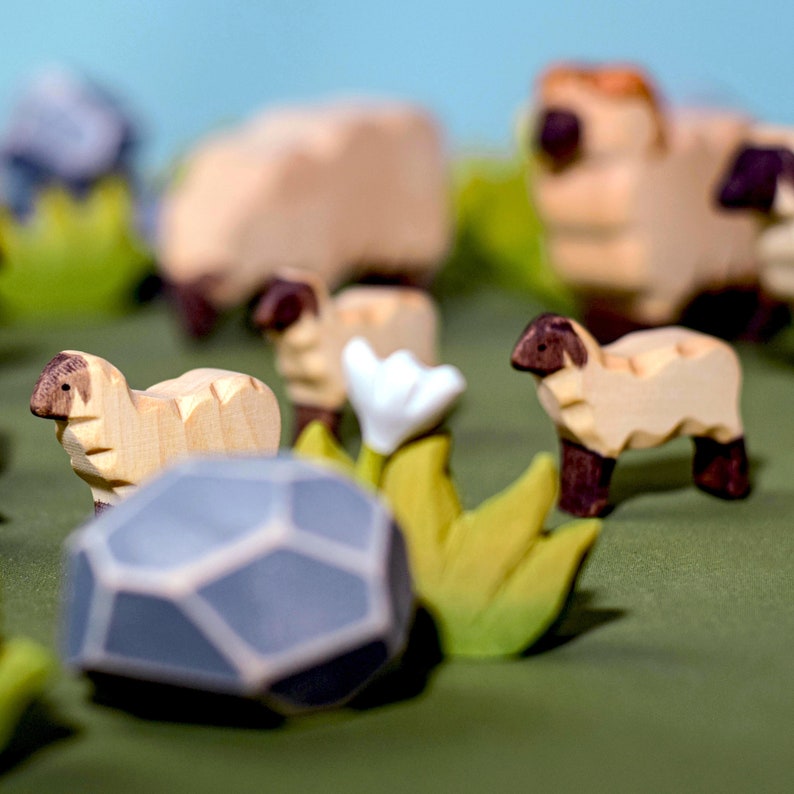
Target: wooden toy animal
{"x": 118, "y": 437}
{"x": 760, "y": 181}
{"x": 310, "y": 328}
{"x": 344, "y": 190}
{"x": 625, "y": 192}
{"x": 641, "y": 391}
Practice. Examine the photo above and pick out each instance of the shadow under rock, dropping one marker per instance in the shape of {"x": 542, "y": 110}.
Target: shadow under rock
{"x": 168, "y": 703}
{"x": 39, "y": 727}
{"x": 577, "y": 618}
{"x": 404, "y": 679}
{"x": 408, "y": 677}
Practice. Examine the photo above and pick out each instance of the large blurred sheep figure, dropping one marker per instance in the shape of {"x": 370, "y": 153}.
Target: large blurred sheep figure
{"x": 625, "y": 191}
{"x": 344, "y": 190}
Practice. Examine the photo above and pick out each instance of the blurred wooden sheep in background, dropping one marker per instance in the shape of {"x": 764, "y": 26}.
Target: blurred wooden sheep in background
{"x": 344, "y": 190}
{"x": 626, "y": 194}
{"x": 310, "y": 328}
{"x": 760, "y": 181}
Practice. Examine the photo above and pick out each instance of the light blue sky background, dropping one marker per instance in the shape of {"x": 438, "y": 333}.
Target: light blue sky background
{"x": 187, "y": 65}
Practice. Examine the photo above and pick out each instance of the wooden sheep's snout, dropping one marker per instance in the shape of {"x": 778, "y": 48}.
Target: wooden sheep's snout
{"x": 751, "y": 183}
{"x": 558, "y": 137}
{"x": 543, "y": 347}
{"x": 54, "y": 393}
{"x": 639, "y": 392}
{"x": 283, "y": 303}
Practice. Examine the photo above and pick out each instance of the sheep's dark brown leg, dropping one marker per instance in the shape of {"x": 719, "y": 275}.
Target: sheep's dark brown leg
{"x": 304, "y": 414}
{"x": 721, "y": 469}
{"x": 197, "y": 314}
{"x": 584, "y": 480}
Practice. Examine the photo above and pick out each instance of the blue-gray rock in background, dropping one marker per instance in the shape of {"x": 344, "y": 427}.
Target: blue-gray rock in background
{"x": 63, "y": 130}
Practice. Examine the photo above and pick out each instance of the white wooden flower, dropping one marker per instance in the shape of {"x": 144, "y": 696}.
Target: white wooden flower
{"x": 398, "y": 397}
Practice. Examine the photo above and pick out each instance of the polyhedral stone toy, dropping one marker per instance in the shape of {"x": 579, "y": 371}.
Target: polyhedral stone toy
{"x": 267, "y": 578}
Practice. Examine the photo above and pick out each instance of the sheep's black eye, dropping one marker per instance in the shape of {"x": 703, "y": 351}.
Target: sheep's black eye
{"x": 66, "y": 387}
{"x": 541, "y": 348}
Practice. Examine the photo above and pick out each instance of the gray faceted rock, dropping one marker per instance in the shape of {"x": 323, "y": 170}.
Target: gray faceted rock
{"x": 270, "y": 578}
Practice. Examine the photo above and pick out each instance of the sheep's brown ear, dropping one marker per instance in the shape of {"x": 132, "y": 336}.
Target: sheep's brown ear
{"x": 574, "y": 346}
{"x": 53, "y": 393}
{"x": 541, "y": 348}
{"x": 283, "y": 304}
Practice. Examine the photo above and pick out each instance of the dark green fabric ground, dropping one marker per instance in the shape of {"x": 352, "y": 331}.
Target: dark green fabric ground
{"x": 673, "y": 671}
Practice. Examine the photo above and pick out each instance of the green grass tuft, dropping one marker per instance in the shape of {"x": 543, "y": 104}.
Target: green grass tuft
{"x": 72, "y": 257}
{"x": 499, "y": 241}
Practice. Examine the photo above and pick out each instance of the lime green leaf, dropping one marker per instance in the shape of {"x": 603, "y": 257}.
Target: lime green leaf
{"x": 25, "y": 668}
{"x": 492, "y": 577}
{"x": 417, "y": 484}
{"x": 530, "y": 600}
{"x": 318, "y": 443}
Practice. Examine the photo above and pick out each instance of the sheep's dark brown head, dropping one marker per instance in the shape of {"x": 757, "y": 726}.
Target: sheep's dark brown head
{"x": 54, "y": 391}
{"x": 283, "y": 304}
{"x": 542, "y": 347}
{"x": 558, "y": 137}
{"x": 753, "y": 178}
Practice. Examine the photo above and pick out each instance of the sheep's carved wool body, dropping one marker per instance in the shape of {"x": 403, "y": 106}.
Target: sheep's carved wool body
{"x": 117, "y": 437}
{"x": 639, "y": 392}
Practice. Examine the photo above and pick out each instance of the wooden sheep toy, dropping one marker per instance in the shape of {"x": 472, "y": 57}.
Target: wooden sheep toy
{"x": 625, "y": 192}
{"x": 639, "y": 392}
{"x": 118, "y": 437}
{"x": 344, "y": 190}
{"x": 761, "y": 181}
{"x": 310, "y": 328}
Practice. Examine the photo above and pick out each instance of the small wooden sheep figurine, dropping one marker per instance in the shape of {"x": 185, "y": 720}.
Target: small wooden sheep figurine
{"x": 639, "y": 392}
{"x": 344, "y": 190}
{"x": 760, "y": 181}
{"x": 310, "y": 328}
{"x": 625, "y": 193}
{"x": 118, "y": 437}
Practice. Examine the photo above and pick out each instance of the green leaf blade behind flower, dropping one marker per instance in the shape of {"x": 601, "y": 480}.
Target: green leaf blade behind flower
{"x": 316, "y": 442}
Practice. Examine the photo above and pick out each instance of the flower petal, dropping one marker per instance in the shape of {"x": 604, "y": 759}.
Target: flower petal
{"x": 398, "y": 397}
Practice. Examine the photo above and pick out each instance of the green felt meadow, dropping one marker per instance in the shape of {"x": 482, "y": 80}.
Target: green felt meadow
{"x": 670, "y": 671}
